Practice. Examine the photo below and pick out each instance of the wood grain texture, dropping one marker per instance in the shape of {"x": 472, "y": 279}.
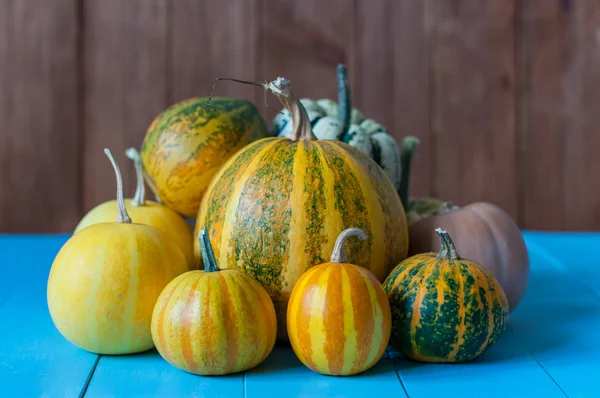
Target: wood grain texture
{"x": 560, "y": 137}
{"x": 411, "y": 85}
{"x": 473, "y": 110}
{"x": 39, "y": 138}
{"x": 304, "y": 42}
{"x": 210, "y": 39}
{"x": 125, "y": 72}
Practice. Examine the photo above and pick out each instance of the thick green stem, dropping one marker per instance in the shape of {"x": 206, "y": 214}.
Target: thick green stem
{"x": 139, "y": 199}
{"x": 344, "y": 103}
{"x": 406, "y": 153}
{"x": 208, "y": 256}
{"x": 122, "y": 216}
{"x": 339, "y": 249}
{"x": 447, "y": 250}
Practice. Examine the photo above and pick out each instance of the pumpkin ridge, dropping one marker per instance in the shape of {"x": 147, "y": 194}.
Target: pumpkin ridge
{"x": 333, "y": 219}
{"x": 351, "y": 344}
{"x": 293, "y": 268}
{"x": 303, "y": 320}
{"x": 333, "y": 319}
{"x": 108, "y": 287}
{"x": 160, "y": 321}
{"x": 416, "y": 310}
{"x": 214, "y": 205}
{"x": 262, "y": 254}
{"x": 376, "y": 239}
{"x": 395, "y": 218}
{"x": 366, "y": 351}
{"x": 132, "y": 292}
{"x": 187, "y": 318}
{"x": 461, "y": 316}
{"x": 476, "y": 303}
{"x": 232, "y": 330}
{"x": 314, "y": 207}
{"x": 490, "y": 301}
{"x": 208, "y": 339}
{"x": 349, "y": 201}
{"x": 232, "y": 206}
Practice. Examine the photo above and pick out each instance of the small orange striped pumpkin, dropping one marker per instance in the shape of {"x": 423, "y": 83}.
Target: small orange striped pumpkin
{"x": 339, "y": 320}
{"x": 214, "y": 322}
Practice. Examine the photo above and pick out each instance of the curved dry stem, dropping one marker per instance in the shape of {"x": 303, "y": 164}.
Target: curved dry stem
{"x": 122, "y": 217}
{"x": 448, "y": 250}
{"x": 339, "y": 249}
{"x": 281, "y": 88}
{"x": 139, "y": 199}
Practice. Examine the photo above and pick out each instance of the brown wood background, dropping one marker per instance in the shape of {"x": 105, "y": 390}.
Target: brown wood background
{"x": 504, "y": 94}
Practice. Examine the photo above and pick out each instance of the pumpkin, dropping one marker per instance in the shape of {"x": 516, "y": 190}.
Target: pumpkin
{"x": 146, "y": 212}
{"x": 333, "y": 121}
{"x": 339, "y": 318}
{"x": 105, "y": 280}
{"x": 187, "y": 143}
{"x": 484, "y": 232}
{"x": 444, "y": 308}
{"x": 276, "y": 207}
{"x": 214, "y": 322}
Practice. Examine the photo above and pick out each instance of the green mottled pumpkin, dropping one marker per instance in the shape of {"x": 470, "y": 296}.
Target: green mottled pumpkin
{"x": 332, "y": 121}
{"x": 188, "y": 142}
{"x": 276, "y": 208}
{"x": 444, "y": 308}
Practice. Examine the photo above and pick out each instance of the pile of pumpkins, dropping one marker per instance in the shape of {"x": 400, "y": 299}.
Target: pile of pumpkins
{"x": 304, "y": 233}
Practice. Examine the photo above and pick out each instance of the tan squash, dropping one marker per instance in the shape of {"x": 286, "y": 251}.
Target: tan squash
{"x": 485, "y": 233}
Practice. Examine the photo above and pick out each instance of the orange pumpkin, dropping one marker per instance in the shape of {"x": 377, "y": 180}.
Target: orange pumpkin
{"x": 485, "y": 233}
{"x": 214, "y": 322}
{"x": 339, "y": 319}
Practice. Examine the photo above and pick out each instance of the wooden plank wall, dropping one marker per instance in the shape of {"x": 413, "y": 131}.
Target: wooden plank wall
{"x": 503, "y": 93}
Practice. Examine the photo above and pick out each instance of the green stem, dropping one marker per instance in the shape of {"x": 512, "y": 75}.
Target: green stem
{"x": 208, "y": 256}
{"x": 345, "y": 105}
{"x": 339, "y": 249}
{"x": 448, "y": 250}
{"x": 122, "y": 216}
{"x": 139, "y": 199}
{"x": 406, "y": 153}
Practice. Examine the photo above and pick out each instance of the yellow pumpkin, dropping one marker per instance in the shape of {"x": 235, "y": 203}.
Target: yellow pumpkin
{"x": 339, "y": 319}
{"x": 214, "y": 322}
{"x": 105, "y": 280}
{"x": 146, "y": 212}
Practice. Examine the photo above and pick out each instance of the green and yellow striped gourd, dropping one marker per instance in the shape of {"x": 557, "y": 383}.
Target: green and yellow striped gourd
{"x": 444, "y": 308}
{"x": 341, "y": 122}
{"x": 276, "y": 208}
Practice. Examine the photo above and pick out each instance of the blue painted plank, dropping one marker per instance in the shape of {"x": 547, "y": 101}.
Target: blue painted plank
{"x": 560, "y": 326}
{"x": 149, "y": 375}
{"x": 506, "y": 369}
{"x": 35, "y": 360}
{"x": 18, "y": 253}
{"x": 573, "y": 252}
{"x": 283, "y": 375}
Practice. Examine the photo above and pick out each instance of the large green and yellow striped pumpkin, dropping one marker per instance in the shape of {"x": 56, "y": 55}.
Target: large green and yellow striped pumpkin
{"x": 276, "y": 208}
{"x": 187, "y": 143}
{"x": 339, "y": 318}
{"x": 214, "y": 322}
{"x": 444, "y": 308}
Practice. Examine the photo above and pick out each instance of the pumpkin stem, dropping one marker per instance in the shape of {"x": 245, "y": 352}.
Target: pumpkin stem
{"x": 208, "y": 256}
{"x": 122, "y": 217}
{"x": 406, "y": 153}
{"x": 339, "y": 249}
{"x": 281, "y": 88}
{"x": 264, "y": 85}
{"x": 139, "y": 199}
{"x": 345, "y": 105}
{"x": 448, "y": 250}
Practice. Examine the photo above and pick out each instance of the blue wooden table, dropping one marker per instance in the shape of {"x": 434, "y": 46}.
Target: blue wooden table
{"x": 550, "y": 349}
